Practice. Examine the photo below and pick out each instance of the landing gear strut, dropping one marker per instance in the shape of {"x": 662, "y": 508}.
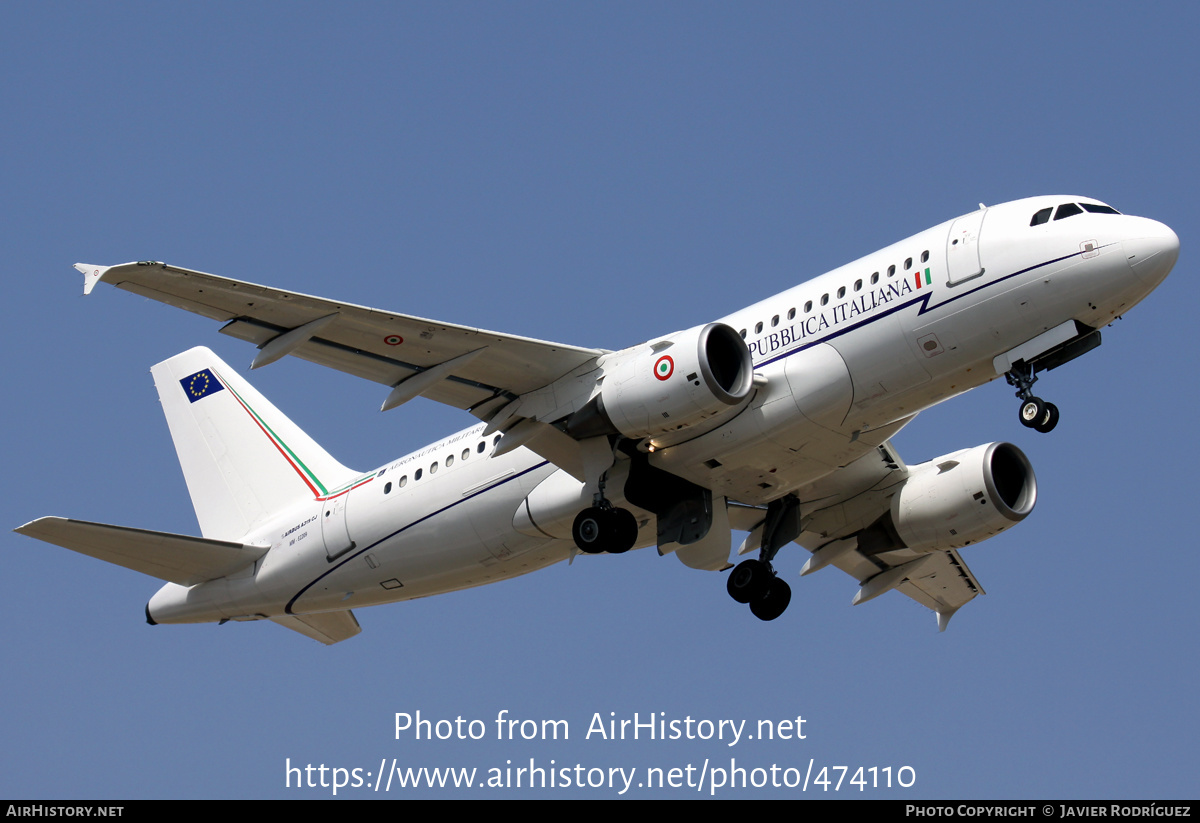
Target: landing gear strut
{"x": 755, "y": 581}
{"x": 1035, "y": 413}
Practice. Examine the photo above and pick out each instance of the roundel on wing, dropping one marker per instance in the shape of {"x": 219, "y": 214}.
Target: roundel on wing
{"x": 393, "y": 340}
{"x": 664, "y": 367}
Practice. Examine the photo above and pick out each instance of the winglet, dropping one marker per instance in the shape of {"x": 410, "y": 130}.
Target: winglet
{"x": 943, "y": 618}
{"x": 91, "y": 275}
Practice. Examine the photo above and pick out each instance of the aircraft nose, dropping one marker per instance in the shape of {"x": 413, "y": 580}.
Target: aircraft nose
{"x": 1153, "y": 252}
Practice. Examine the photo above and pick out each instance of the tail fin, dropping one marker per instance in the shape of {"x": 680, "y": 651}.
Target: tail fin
{"x": 242, "y": 458}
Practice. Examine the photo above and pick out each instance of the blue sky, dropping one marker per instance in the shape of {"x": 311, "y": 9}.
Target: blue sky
{"x": 597, "y": 175}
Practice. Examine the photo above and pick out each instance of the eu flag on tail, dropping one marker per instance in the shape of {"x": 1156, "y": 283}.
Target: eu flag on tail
{"x": 201, "y": 384}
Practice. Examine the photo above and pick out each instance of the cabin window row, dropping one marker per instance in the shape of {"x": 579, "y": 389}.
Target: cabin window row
{"x": 433, "y": 467}
{"x": 841, "y": 292}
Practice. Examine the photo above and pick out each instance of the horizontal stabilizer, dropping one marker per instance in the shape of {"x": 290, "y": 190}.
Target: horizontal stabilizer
{"x": 177, "y": 558}
{"x": 327, "y": 628}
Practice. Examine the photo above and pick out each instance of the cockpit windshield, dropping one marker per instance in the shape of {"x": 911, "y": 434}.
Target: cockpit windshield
{"x": 1069, "y": 210}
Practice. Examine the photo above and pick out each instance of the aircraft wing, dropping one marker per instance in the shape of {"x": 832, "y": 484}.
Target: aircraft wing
{"x": 457, "y": 365}
{"x": 840, "y": 517}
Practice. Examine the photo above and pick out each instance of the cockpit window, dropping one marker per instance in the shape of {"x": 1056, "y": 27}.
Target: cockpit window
{"x": 1098, "y": 208}
{"x": 1041, "y": 217}
{"x": 1067, "y": 210}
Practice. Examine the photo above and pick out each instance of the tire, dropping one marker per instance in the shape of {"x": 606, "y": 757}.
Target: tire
{"x": 590, "y": 530}
{"x": 1049, "y": 421}
{"x": 774, "y": 602}
{"x": 1032, "y": 412}
{"x": 749, "y": 581}
{"x": 623, "y": 529}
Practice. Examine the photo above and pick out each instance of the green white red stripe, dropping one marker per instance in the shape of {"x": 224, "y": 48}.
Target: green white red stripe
{"x": 305, "y": 473}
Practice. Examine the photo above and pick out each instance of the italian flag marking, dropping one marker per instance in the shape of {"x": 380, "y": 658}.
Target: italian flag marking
{"x": 925, "y": 274}
{"x": 664, "y": 367}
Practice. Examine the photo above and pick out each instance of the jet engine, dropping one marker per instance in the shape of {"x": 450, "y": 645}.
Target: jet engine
{"x": 668, "y": 385}
{"x": 964, "y": 497}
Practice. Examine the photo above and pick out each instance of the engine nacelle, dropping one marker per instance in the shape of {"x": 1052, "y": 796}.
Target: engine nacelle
{"x": 964, "y": 497}
{"x": 669, "y": 384}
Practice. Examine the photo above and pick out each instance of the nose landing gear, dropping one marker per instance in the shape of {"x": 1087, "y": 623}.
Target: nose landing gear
{"x": 1038, "y": 415}
{"x": 1035, "y": 413}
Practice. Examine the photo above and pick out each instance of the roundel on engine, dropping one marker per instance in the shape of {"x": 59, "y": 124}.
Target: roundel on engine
{"x": 669, "y": 384}
{"x": 664, "y": 367}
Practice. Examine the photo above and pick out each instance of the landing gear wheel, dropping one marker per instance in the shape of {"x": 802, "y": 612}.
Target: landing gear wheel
{"x": 749, "y": 581}
{"x": 1033, "y": 412}
{"x": 588, "y": 531}
{"x": 598, "y": 530}
{"x": 1049, "y": 421}
{"x": 774, "y": 602}
{"x": 624, "y": 530}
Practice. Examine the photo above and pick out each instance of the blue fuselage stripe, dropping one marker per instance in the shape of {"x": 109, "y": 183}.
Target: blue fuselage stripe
{"x": 922, "y": 300}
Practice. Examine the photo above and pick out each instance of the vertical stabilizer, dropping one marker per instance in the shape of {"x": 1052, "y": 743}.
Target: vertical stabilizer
{"x": 243, "y": 460}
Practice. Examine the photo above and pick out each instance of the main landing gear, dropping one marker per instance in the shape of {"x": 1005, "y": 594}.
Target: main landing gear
{"x": 1035, "y": 413}
{"x": 602, "y": 527}
{"x": 755, "y": 581}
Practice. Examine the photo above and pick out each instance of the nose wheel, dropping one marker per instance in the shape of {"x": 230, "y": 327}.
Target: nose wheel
{"x": 1039, "y": 415}
{"x": 1035, "y": 413}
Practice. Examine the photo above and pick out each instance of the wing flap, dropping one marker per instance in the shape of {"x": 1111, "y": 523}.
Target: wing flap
{"x": 177, "y": 558}
{"x": 943, "y": 584}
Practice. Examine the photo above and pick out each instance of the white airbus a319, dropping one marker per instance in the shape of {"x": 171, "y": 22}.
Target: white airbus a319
{"x": 773, "y": 420}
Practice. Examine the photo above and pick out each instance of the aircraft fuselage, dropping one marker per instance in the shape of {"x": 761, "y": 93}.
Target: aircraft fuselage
{"x": 841, "y": 362}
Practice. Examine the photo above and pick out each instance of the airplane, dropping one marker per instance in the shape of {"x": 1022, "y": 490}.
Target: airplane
{"x": 775, "y": 420}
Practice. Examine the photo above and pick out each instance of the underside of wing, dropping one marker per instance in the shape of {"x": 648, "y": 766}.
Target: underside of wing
{"x": 457, "y": 365}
